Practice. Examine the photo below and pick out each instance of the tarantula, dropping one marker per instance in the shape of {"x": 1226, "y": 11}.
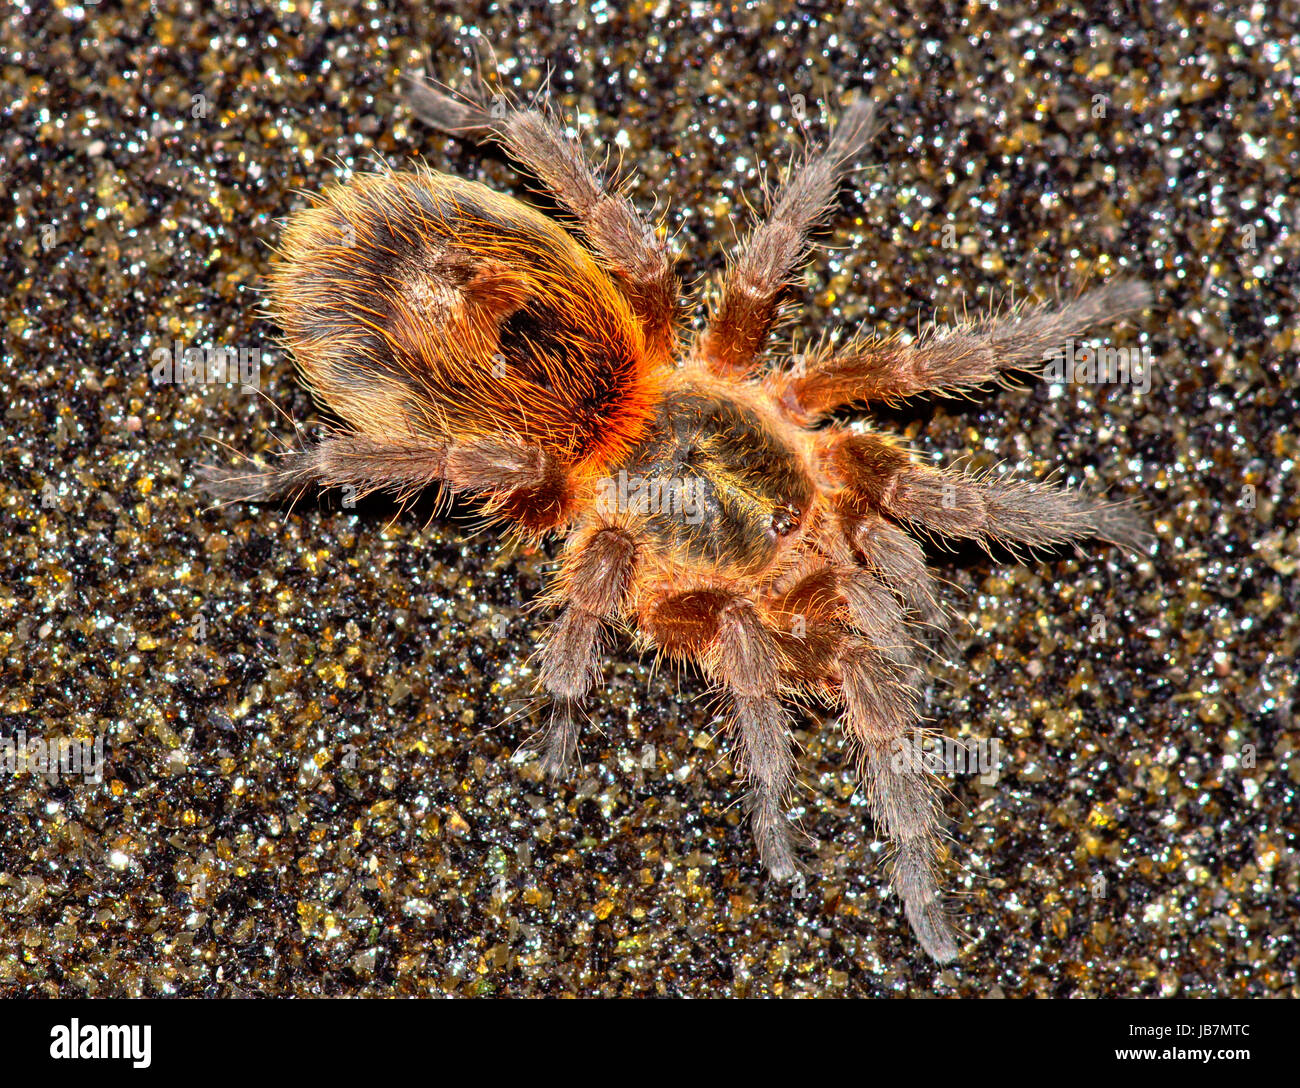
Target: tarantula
{"x": 467, "y": 340}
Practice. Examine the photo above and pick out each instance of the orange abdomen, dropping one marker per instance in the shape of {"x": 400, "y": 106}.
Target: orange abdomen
{"x": 422, "y": 305}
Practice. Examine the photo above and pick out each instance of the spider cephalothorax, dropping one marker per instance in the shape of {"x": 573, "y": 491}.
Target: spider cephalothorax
{"x": 464, "y": 339}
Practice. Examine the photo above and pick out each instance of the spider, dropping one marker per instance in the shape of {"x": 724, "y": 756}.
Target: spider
{"x": 709, "y": 503}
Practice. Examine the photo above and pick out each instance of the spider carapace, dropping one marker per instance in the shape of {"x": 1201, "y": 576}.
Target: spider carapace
{"x": 464, "y": 339}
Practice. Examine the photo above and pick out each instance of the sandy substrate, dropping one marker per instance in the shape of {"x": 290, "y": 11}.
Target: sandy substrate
{"x": 311, "y": 784}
